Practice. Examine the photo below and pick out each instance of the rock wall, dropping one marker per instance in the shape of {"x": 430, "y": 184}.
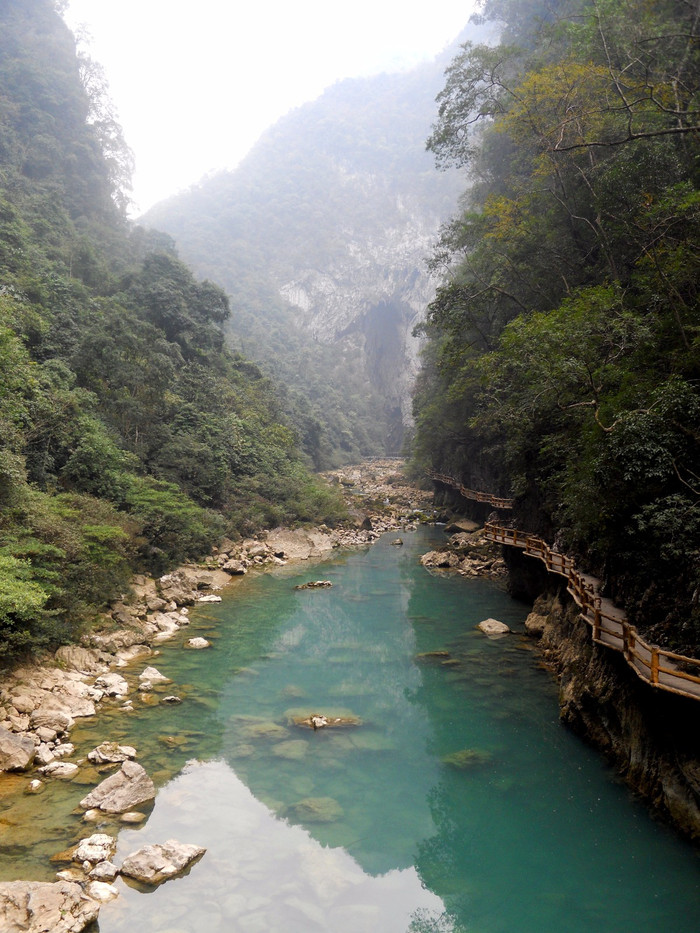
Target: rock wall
{"x": 648, "y": 735}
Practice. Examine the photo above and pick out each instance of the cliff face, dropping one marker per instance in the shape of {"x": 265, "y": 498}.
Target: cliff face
{"x": 649, "y": 736}
{"x": 367, "y": 299}
{"x": 321, "y": 236}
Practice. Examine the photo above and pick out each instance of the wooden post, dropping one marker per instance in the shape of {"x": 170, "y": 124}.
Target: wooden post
{"x": 654, "y": 665}
{"x": 596, "y": 623}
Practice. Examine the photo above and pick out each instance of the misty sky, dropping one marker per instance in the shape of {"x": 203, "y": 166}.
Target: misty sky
{"x": 196, "y": 83}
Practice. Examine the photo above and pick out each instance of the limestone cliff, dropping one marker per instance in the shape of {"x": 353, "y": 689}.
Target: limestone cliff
{"x": 321, "y": 237}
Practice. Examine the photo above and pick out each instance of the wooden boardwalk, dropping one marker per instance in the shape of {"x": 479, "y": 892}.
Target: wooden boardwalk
{"x": 609, "y": 625}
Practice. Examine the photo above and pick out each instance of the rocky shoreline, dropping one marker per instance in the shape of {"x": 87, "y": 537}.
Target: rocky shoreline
{"x": 39, "y": 703}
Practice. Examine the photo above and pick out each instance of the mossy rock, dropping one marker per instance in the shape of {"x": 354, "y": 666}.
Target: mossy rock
{"x": 467, "y": 758}
{"x": 316, "y": 810}
{"x": 432, "y": 657}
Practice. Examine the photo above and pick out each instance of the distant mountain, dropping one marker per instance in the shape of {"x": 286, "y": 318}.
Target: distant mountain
{"x": 320, "y": 238}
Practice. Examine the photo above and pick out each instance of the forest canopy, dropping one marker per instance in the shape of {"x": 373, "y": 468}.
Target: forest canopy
{"x": 563, "y": 365}
{"x": 130, "y": 437}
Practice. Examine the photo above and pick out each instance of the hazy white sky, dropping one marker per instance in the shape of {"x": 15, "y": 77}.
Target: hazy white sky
{"x": 195, "y": 83}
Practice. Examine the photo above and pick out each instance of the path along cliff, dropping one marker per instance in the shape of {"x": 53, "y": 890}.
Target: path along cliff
{"x": 638, "y": 704}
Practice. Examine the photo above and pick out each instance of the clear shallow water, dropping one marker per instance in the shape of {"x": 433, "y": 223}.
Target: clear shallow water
{"x": 535, "y": 836}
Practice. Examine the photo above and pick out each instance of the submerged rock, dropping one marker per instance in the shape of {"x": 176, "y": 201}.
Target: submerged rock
{"x": 467, "y": 758}
{"x": 432, "y": 657}
{"x": 324, "y": 721}
{"x": 156, "y": 863}
{"x": 111, "y": 753}
{"x": 45, "y": 907}
{"x": 293, "y": 750}
{"x": 316, "y": 810}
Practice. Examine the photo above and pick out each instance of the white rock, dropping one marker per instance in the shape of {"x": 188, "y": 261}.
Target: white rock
{"x": 104, "y": 871}
{"x": 493, "y": 628}
{"x": 96, "y": 848}
{"x": 154, "y": 676}
{"x": 210, "y": 598}
{"x": 198, "y": 643}
{"x": 101, "y": 891}
{"x": 39, "y": 907}
{"x": 122, "y": 791}
{"x": 59, "y": 769}
{"x": 44, "y": 755}
{"x": 108, "y": 752}
{"x": 113, "y": 684}
{"x": 156, "y": 863}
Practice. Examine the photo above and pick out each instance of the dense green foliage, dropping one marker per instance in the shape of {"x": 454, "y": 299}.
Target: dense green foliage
{"x": 563, "y": 363}
{"x": 130, "y": 437}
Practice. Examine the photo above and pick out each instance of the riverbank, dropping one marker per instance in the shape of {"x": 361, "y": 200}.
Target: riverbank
{"x": 40, "y": 703}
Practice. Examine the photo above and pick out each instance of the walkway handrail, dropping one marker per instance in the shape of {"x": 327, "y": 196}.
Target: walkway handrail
{"x": 663, "y": 669}
{"x": 495, "y": 501}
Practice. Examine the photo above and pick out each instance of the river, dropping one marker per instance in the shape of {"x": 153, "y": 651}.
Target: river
{"x": 459, "y": 804}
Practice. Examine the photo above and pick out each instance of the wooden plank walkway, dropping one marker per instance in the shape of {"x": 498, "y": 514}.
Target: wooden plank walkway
{"x": 609, "y": 625}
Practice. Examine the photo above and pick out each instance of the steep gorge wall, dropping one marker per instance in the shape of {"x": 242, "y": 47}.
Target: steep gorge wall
{"x": 648, "y": 735}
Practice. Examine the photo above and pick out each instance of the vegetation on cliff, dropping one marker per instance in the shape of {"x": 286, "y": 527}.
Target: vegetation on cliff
{"x": 319, "y": 237}
{"x": 130, "y": 437}
{"x": 563, "y": 361}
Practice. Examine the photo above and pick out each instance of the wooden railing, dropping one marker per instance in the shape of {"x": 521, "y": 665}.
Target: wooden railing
{"x": 609, "y": 625}
{"x": 495, "y": 501}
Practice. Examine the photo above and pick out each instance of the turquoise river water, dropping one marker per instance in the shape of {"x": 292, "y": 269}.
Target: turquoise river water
{"x": 371, "y": 829}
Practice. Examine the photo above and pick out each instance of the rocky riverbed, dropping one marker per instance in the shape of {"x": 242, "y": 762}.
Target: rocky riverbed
{"x": 40, "y": 703}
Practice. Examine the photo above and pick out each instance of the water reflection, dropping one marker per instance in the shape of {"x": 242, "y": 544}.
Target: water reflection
{"x": 459, "y": 804}
{"x": 259, "y": 873}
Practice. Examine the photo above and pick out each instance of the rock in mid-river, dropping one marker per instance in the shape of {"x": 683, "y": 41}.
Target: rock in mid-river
{"x": 122, "y": 791}
{"x": 156, "y": 863}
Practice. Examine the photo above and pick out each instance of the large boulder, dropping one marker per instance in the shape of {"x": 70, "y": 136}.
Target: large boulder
{"x": 122, "y": 791}
{"x": 45, "y": 907}
{"x": 52, "y": 717}
{"x": 16, "y": 751}
{"x": 156, "y": 863}
{"x": 85, "y": 660}
{"x": 234, "y": 567}
{"x": 440, "y": 560}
